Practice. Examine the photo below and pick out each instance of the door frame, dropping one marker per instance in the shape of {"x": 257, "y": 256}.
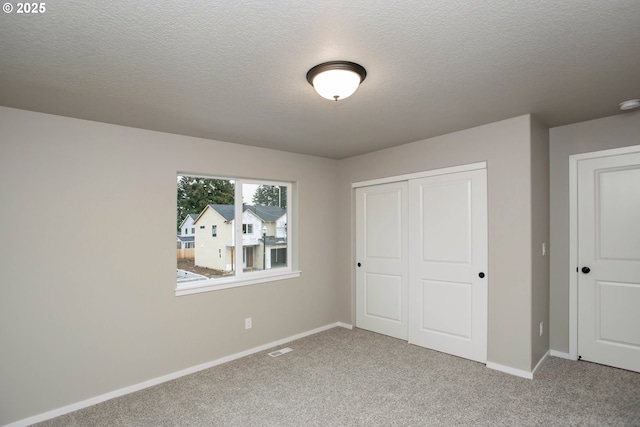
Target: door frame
{"x": 423, "y": 174}
{"x": 388, "y": 180}
{"x": 573, "y": 236}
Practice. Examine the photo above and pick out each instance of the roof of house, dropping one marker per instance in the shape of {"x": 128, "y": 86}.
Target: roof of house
{"x": 266, "y": 213}
{"x": 186, "y": 238}
{"x": 273, "y": 240}
{"x": 226, "y": 211}
{"x": 193, "y": 216}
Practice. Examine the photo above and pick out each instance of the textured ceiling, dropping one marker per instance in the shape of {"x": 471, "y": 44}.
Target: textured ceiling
{"x": 235, "y": 70}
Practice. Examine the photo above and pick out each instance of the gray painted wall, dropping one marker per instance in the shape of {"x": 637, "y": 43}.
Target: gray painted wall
{"x": 506, "y": 146}
{"x": 611, "y": 132}
{"x": 85, "y": 311}
{"x": 539, "y": 235}
{"x": 88, "y": 259}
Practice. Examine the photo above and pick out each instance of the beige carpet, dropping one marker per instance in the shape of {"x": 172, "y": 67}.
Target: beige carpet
{"x": 358, "y": 378}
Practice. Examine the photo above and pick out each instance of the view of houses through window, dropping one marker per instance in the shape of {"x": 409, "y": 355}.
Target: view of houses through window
{"x": 210, "y": 245}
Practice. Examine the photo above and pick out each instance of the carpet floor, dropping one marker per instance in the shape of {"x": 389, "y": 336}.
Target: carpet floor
{"x": 354, "y": 377}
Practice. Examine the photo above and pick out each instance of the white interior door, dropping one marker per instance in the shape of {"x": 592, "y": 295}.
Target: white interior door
{"x": 609, "y": 258}
{"x": 448, "y": 256}
{"x": 382, "y": 263}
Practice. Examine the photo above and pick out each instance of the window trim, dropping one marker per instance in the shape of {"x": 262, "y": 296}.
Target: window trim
{"x": 220, "y": 284}
{"x": 243, "y": 278}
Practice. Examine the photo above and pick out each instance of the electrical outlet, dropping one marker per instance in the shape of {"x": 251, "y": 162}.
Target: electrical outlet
{"x": 247, "y": 323}
{"x": 541, "y": 328}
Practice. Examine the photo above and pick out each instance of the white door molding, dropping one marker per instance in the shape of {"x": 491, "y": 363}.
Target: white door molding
{"x": 423, "y": 174}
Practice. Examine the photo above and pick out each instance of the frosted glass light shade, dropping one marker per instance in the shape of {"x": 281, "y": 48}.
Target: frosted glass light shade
{"x": 336, "y": 84}
{"x": 336, "y": 80}
{"x": 630, "y": 104}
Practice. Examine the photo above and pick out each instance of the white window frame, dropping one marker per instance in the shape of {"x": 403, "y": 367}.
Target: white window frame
{"x": 245, "y": 278}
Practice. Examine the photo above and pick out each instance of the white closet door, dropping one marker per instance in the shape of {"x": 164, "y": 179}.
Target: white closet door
{"x": 382, "y": 261}
{"x": 448, "y": 263}
{"x": 609, "y": 257}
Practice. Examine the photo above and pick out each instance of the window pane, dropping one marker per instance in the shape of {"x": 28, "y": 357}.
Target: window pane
{"x": 265, "y": 215}
{"x": 206, "y": 206}
{"x": 218, "y": 239}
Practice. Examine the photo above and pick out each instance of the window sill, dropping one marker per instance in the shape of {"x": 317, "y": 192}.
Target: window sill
{"x": 234, "y": 282}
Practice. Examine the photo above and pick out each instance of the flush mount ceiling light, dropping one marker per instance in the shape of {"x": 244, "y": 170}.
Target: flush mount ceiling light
{"x": 336, "y": 80}
{"x": 630, "y": 104}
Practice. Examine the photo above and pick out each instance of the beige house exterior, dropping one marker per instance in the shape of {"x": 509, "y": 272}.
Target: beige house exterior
{"x": 215, "y": 237}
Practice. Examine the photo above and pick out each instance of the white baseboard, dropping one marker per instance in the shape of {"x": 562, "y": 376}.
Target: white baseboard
{"x": 510, "y": 370}
{"x": 561, "y": 354}
{"x": 519, "y": 372}
{"x": 344, "y": 325}
{"x": 155, "y": 381}
{"x": 541, "y": 361}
